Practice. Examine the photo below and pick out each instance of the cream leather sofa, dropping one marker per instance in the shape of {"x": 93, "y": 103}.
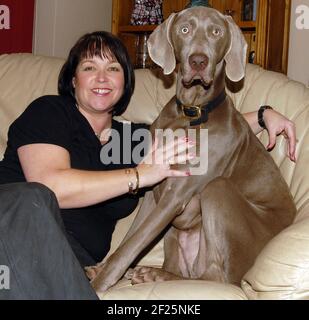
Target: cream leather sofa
{"x": 281, "y": 271}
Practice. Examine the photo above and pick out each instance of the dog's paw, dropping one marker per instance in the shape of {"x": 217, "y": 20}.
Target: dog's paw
{"x": 149, "y": 274}
{"x": 129, "y": 274}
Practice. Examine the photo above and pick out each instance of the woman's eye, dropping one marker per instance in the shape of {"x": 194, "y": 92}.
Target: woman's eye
{"x": 216, "y": 32}
{"x": 88, "y": 68}
{"x": 114, "y": 68}
{"x": 184, "y": 30}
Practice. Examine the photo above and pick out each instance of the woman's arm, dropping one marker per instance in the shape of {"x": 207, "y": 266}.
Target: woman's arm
{"x": 276, "y": 124}
{"x": 50, "y": 165}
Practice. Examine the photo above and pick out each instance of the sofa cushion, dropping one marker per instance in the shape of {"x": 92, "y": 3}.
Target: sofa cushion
{"x": 281, "y": 270}
{"x": 174, "y": 290}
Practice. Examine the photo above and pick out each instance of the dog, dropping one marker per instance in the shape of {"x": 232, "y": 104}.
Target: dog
{"x": 216, "y": 223}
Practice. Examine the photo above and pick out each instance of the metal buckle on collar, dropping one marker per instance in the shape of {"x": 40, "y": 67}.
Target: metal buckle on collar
{"x": 193, "y": 112}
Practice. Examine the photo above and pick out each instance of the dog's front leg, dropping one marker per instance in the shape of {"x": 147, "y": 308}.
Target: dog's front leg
{"x": 117, "y": 264}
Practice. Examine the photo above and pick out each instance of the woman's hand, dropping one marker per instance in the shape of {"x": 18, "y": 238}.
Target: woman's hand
{"x": 277, "y": 124}
{"x": 156, "y": 165}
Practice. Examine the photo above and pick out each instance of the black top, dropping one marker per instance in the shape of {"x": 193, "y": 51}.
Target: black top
{"x": 56, "y": 120}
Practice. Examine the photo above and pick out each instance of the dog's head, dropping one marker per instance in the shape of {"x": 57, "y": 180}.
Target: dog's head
{"x": 202, "y": 41}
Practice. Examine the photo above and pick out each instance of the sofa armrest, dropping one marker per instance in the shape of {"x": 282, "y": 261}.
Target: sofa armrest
{"x": 281, "y": 271}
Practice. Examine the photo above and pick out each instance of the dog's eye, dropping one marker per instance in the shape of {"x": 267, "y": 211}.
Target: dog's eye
{"x": 216, "y": 32}
{"x": 184, "y": 30}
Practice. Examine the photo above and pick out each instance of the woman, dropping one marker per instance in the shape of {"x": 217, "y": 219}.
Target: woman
{"x": 58, "y": 139}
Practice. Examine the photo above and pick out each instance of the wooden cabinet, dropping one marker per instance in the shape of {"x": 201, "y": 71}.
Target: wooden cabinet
{"x": 131, "y": 35}
{"x": 272, "y": 31}
{"x": 267, "y": 35}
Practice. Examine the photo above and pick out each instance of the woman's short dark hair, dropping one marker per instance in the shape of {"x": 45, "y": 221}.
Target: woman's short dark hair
{"x": 104, "y": 45}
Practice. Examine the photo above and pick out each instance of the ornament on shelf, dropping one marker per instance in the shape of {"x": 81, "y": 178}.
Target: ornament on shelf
{"x": 229, "y": 12}
{"x": 147, "y": 12}
{"x": 249, "y": 10}
{"x": 142, "y": 56}
{"x": 196, "y": 3}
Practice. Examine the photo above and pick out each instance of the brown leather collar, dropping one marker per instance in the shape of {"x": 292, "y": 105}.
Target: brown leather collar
{"x": 199, "y": 114}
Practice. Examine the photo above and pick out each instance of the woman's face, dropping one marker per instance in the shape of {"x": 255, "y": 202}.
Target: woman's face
{"x": 99, "y": 84}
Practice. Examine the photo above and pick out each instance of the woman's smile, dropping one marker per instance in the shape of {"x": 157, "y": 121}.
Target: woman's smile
{"x": 101, "y": 91}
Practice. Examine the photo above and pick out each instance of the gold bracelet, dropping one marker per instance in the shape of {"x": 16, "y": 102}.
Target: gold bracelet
{"x": 133, "y": 190}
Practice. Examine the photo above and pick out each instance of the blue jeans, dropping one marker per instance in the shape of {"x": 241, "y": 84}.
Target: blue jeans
{"x": 34, "y": 247}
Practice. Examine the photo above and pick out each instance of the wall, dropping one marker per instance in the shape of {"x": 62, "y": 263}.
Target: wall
{"x": 298, "y": 66}
{"x": 59, "y": 23}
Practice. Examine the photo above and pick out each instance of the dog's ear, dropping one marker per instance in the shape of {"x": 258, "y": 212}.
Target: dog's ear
{"x": 236, "y": 55}
{"x": 160, "y": 47}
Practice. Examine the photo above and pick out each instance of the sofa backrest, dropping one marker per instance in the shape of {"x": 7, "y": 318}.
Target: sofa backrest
{"x": 290, "y": 98}
{"x": 260, "y": 87}
{"x": 24, "y": 77}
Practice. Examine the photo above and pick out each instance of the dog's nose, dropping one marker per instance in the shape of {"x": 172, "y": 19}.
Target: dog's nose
{"x": 198, "y": 62}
